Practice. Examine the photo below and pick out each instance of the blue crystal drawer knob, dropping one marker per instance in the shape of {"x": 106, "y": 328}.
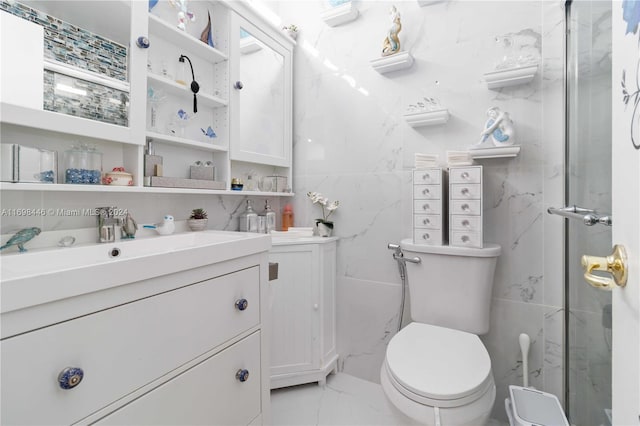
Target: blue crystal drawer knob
{"x": 70, "y": 377}
{"x": 143, "y": 42}
{"x": 242, "y": 304}
{"x": 242, "y": 375}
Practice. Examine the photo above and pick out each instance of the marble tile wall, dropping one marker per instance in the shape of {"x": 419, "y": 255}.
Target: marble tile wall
{"x": 352, "y": 144}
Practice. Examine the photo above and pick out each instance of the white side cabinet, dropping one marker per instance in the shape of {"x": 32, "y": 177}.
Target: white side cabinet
{"x": 303, "y": 338}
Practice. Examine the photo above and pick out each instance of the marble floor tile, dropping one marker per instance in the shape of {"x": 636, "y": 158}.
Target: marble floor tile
{"x": 345, "y": 400}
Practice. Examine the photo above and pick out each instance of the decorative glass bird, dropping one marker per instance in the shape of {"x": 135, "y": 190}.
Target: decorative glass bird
{"x": 129, "y": 227}
{"x": 166, "y": 227}
{"x": 21, "y": 237}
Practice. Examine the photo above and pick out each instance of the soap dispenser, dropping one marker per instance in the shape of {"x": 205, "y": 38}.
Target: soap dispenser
{"x": 249, "y": 219}
{"x": 270, "y": 215}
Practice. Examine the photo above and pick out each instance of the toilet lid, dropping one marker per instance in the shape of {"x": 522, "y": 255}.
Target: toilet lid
{"x": 437, "y": 362}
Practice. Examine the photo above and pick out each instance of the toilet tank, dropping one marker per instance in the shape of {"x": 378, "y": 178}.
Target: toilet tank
{"x": 451, "y": 286}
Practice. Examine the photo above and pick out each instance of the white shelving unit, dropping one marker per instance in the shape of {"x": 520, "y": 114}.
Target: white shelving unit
{"x": 185, "y": 40}
{"x": 124, "y": 146}
{"x": 7, "y": 186}
{"x": 178, "y": 141}
{"x": 175, "y": 88}
{"x": 428, "y": 118}
{"x": 511, "y": 76}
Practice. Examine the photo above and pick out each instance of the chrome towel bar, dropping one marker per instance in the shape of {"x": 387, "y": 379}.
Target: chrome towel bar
{"x": 588, "y": 216}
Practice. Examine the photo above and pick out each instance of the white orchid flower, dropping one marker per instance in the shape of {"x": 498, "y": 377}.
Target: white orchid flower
{"x": 331, "y": 207}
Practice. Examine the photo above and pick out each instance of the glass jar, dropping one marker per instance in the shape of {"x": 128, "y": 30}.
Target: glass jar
{"x": 82, "y": 165}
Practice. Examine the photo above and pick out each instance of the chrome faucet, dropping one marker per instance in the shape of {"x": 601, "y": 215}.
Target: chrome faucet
{"x": 107, "y": 223}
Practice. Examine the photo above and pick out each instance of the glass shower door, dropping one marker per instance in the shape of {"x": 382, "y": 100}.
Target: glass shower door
{"x": 588, "y": 310}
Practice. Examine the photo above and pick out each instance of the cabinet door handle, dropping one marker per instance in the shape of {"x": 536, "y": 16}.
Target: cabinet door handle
{"x": 242, "y": 375}
{"x": 242, "y": 304}
{"x": 465, "y": 207}
{"x": 464, "y": 191}
{"x": 238, "y": 85}
{"x": 426, "y": 176}
{"x": 425, "y": 191}
{"x": 426, "y": 207}
{"x": 315, "y": 306}
{"x": 465, "y": 223}
{"x": 465, "y": 239}
{"x": 464, "y": 175}
{"x": 425, "y": 236}
{"x": 143, "y": 42}
{"x": 426, "y": 221}
{"x": 70, "y": 377}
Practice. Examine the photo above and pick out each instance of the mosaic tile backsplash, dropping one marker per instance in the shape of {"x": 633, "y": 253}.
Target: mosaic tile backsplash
{"x": 80, "y": 98}
{"x": 73, "y": 45}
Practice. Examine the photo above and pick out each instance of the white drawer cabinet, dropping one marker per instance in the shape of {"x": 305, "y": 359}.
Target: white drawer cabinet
{"x": 219, "y": 377}
{"x": 465, "y": 206}
{"x": 429, "y": 198}
{"x": 303, "y": 338}
{"x": 167, "y": 355}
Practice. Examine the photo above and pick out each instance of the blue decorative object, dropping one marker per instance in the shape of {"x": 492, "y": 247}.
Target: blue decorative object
{"x": 152, "y": 3}
{"x": 48, "y": 176}
{"x": 209, "y": 132}
{"x": 143, "y": 42}
{"x": 206, "y": 36}
{"x": 70, "y": 377}
{"x": 182, "y": 114}
{"x": 334, "y": 3}
{"x": 21, "y": 237}
{"x": 631, "y": 15}
{"x": 84, "y": 176}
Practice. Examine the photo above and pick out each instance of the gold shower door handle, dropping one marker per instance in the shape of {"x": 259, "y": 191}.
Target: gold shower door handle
{"x": 615, "y": 264}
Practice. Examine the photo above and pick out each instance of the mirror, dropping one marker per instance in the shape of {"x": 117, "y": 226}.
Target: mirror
{"x": 262, "y": 100}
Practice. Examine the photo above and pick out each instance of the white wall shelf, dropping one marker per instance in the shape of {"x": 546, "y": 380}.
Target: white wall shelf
{"x": 175, "y": 88}
{"x": 184, "y": 40}
{"x": 428, "y": 118}
{"x": 60, "y": 187}
{"x": 177, "y": 141}
{"x": 391, "y": 63}
{"x": 495, "y": 152}
{"x": 511, "y": 76}
{"x": 339, "y": 15}
{"x": 424, "y": 3}
{"x": 68, "y": 124}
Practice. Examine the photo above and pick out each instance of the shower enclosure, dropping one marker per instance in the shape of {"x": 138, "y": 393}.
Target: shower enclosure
{"x": 588, "y": 185}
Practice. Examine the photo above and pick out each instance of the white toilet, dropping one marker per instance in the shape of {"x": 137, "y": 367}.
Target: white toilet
{"x": 436, "y": 370}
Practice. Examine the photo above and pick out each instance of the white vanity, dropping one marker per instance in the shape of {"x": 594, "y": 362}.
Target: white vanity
{"x": 162, "y": 330}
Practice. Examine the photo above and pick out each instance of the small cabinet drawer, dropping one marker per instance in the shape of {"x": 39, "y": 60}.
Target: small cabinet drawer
{"x": 462, "y": 191}
{"x": 465, "y": 223}
{"x": 427, "y": 221}
{"x": 427, "y": 192}
{"x": 465, "y": 207}
{"x": 221, "y": 399}
{"x": 466, "y": 239}
{"x": 465, "y": 175}
{"x": 427, "y": 206}
{"x": 427, "y": 176}
{"x": 427, "y": 236}
{"x": 122, "y": 348}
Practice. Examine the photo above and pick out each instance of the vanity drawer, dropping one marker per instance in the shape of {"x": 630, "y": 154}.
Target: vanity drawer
{"x": 427, "y": 206}
{"x": 427, "y": 236}
{"x": 427, "y": 192}
{"x": 193, "y": 319}
{"x": 465, "y": 207}
{"x": 427, "y": 221}
{"x": 465, "y": 174}
{"x": 427, "y": 176}
{"x": 222, "y": 399}
{"x": 463, "y": 191}
{"x": 466, "y": 239}
{"x": 465, "y": 223}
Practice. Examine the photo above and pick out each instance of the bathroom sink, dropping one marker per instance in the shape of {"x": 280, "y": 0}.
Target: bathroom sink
{"x": 44, "y": 275}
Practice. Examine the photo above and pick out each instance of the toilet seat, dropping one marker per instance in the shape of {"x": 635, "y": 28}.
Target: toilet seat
{"x": 438, "y": 366}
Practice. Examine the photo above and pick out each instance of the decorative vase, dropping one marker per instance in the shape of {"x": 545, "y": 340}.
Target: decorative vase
{"x": 325, "y": 229}
{"x": 197, "y": 224}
